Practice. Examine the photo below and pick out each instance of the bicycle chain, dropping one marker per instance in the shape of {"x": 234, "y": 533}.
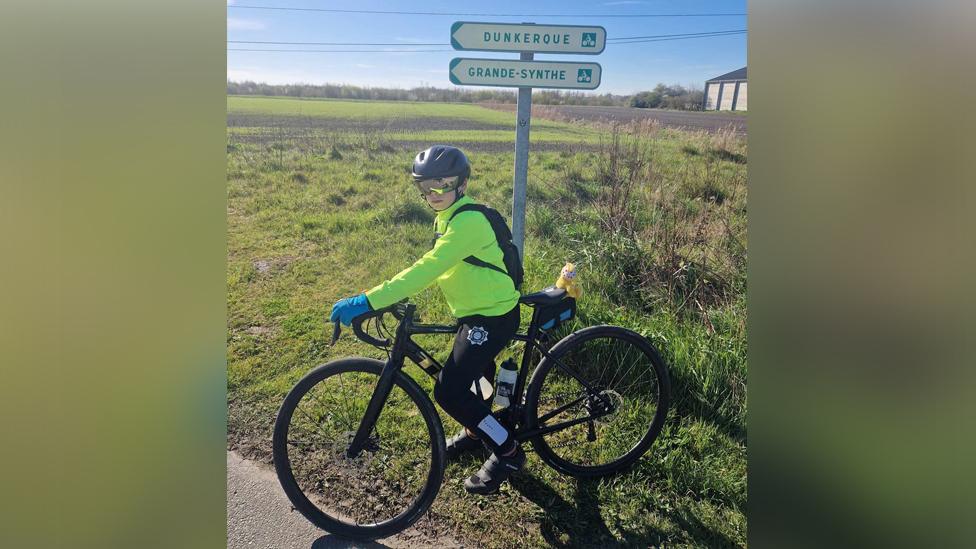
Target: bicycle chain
{"x": 565, "y": 444}
{"x": 556, "y": 398}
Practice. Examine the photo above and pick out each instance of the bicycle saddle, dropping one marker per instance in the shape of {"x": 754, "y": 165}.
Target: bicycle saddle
{"x": 547, "y": 296}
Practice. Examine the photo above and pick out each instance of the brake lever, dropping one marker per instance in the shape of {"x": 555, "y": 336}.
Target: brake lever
{"x": 335, "y": 332}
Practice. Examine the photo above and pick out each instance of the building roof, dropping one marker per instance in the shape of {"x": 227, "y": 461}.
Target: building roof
{"x": 734, "y": 75}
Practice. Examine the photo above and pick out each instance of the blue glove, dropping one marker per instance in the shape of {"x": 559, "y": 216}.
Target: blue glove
{"x": 349, "y": 308}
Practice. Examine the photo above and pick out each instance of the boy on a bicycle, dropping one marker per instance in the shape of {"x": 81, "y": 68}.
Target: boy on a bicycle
{"x": 483, "y": 298}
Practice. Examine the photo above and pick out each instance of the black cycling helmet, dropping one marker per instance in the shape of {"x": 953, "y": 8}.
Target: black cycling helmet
{"x": 441, "y": 161}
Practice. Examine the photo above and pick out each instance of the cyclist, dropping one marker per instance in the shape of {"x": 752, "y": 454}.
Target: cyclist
{"x": 484, "y": 300}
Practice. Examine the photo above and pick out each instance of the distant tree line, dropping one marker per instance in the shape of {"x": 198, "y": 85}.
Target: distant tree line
{"x": 669, "y": 97}
{"x": 666, "y": 97}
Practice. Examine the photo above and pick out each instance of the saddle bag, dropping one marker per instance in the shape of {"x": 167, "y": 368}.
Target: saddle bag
{"x": 553, "y": 316}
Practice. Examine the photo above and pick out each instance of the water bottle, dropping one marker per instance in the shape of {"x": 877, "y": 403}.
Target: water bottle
{"x": 507, "y": 375}
{"x": 429, "y": 366}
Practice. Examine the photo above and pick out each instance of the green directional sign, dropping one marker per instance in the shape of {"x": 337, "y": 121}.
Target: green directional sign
{"x": 513, "y": 73}
{"x": 525, "y": 73}
{"x": 470, "y": 35}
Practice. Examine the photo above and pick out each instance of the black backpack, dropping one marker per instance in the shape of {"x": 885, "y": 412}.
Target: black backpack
{"x": 513, "y": 261}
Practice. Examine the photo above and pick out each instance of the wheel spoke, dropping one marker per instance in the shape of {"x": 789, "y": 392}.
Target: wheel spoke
{"x": 559, "y": 410}
{"x": 387, "y": 479}
{"x": 324, "y": 405}
{"x": 345, "y": 398}
{"x": 314, "y": 422}
{"x": 633, "y": 383}
{"x": 614, "y": 382}
{"x": 613, "y": 437}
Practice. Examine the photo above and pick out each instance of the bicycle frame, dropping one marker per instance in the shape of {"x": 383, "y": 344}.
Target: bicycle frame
{"x": 404, "y": 347}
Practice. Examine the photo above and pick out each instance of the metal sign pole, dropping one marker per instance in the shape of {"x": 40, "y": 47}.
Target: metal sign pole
{"x": 522, "y": 122}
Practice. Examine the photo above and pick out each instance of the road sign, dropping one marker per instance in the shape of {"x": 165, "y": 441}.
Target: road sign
{"x": 526, "y": 73}
{"x": 507, "y": 73}
{"x": 469, "y": 35}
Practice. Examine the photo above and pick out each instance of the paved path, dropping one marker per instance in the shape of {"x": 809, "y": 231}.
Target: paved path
{"x": 259, "y": 516}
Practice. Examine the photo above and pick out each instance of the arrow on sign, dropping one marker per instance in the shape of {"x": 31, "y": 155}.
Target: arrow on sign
{"x": 515, "y": 74}
{"x": 469, "y": 35}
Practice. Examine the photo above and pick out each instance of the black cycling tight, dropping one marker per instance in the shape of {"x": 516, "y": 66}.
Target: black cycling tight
{"x": 478, "y": 341}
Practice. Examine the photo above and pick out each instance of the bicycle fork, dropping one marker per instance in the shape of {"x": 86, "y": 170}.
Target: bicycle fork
{"x": 376, "y": 402}
{"x": 382, "y": 392}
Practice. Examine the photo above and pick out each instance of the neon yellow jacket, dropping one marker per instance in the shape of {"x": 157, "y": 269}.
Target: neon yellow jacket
{"x": 468, "y": 289}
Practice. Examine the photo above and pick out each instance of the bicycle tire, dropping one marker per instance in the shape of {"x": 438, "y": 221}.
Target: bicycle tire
{"x": 564, "y": 348}
{"x": 338, "y": 524}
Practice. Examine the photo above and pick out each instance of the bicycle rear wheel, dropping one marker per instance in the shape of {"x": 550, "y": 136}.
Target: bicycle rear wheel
{"x": 390, "y": 484}
{"x": 626, "y": 371}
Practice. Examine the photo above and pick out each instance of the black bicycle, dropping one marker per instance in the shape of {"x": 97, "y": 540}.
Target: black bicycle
{"x": 359, "y": 447}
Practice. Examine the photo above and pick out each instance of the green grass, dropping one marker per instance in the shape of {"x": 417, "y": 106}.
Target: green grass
{"x": 381, "y": 110}
{"x": 540, "y": 134}
{"x": 305, "y": 229}
{"x": 377, "y": 110}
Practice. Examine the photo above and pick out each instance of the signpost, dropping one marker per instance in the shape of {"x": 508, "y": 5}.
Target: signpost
{"x": 525, "y": 74}
{"x": 520, "y": 74}
{"x": 528, "y": 37}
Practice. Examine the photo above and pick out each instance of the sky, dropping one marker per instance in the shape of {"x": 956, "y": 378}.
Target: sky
{"x": 627, "y": 68}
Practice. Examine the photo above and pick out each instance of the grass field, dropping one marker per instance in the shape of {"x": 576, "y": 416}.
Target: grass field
{"x": 366, "y": 110}
{"x": 321, "y": 207}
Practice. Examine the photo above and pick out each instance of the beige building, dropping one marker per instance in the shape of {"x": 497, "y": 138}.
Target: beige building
{"x": 728, "y": 92}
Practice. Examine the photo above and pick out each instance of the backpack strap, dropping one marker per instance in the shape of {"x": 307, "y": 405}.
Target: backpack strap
{"x": 472, "y": 259}
{"x": 475, "y": 261}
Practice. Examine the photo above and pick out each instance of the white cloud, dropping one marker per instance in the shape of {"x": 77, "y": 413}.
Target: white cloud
{"x": 233, "y": 23}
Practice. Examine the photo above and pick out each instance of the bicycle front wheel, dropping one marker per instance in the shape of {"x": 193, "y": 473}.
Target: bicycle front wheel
{"x": 390, "y": 484}
{"x": 628, "y": 378}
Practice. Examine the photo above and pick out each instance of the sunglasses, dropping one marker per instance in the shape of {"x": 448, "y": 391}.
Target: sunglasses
{"x": 440, "y": 185}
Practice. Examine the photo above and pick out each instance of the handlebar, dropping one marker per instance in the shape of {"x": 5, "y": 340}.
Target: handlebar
{"x": 357, "y": 328}
{"x": 398, "y": 310}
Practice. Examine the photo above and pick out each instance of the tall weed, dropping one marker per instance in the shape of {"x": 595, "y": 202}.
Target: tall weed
{"x": 671, "y": 239}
